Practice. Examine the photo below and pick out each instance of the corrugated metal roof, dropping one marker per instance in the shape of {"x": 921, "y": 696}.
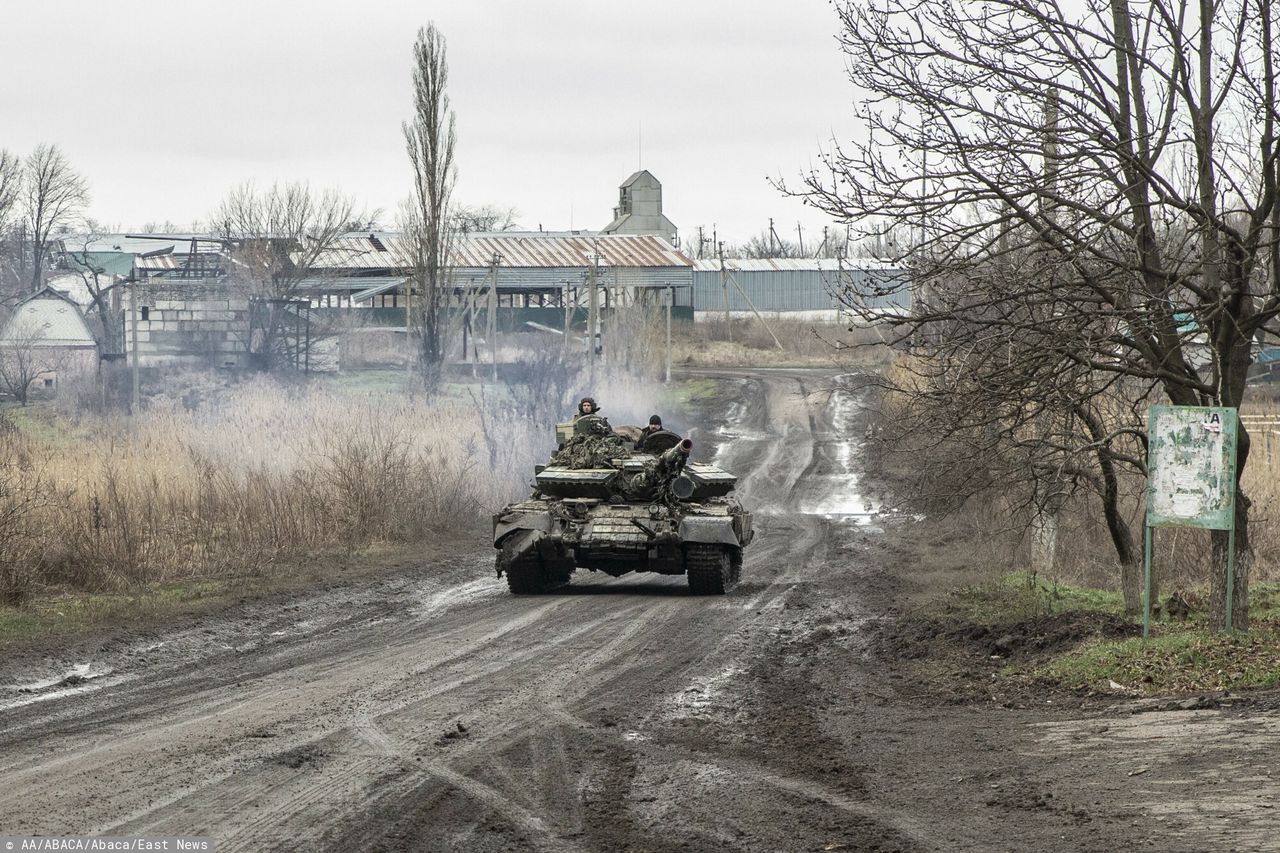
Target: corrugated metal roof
{"x": 510, "y": 278}
{"x": 118, "y": 263}
{"x": 527, "y": 250}
{"x": 138, "y": 245}
{"x": 326, "y": 283}
{"x": 792, "y": 264}
{"x": 158, "y": 262}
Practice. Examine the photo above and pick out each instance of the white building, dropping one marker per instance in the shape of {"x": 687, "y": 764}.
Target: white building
{"x": 46, "y": 340}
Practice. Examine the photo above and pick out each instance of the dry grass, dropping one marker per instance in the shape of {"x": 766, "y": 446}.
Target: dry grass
{"x": 989, "y": 529}
{"x": 262, "y": 474}
{"x": 1262, "y": 485}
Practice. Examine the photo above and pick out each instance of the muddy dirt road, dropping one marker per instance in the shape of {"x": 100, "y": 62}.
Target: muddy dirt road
{"x": 437, "y": 712}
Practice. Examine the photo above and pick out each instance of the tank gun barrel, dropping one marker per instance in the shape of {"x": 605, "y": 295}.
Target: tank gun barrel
{"x": 670, "y": 462}
{"x": 677, "y": 452}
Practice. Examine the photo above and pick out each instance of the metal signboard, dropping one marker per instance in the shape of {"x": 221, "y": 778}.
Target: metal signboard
{"x": 1191, "y": 480}
{"x": 1191, "y": 467}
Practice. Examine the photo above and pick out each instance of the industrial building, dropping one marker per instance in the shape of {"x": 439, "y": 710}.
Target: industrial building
{"x": 536, "y": 276}
{"x": 183, "y": 304}
{"x": 816, "y": 288}
{"x": 639, "y": 209}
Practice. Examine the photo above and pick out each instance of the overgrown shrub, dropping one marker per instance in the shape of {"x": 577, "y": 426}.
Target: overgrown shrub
{"x": 240, "y": 480}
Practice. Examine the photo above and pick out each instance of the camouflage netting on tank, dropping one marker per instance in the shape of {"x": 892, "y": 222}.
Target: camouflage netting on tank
{"x": 609, "y": 451}
{"x": 591, "y": 451}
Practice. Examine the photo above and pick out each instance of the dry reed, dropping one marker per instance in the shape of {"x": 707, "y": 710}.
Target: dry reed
{"x": 263, "y": 475}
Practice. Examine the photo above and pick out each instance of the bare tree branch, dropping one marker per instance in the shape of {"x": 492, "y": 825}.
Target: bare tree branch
{"x": 1091, "y": 193}
{"x": 53, "y": 194}
{"x": 278, "y": 235}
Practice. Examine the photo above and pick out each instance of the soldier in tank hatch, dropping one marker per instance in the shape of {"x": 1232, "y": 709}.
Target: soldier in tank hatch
{"x": 655, "y": 425}
{"x": 589, "y": 421}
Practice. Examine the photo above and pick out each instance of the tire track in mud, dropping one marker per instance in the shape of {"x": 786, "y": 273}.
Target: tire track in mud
{"x": 101, "y": 755}
{"x": 342, "y": 740}
{"x": 546, "y": 686}
{"x": 475, "y": 754}
{"x": 328, "y": 741}
{"x": 557, "y": 715}
{"x": 203, "y": 702}
{"x": 599, "y": 661}
{"x": 906, "y": 826}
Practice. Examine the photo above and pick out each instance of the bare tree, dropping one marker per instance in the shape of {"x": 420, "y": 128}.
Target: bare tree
{"x": 98, "y": 283}
{"x": 10, "y": 185}
{"x": 429, "y": 139}
{"x": 23, "y": 359}
{"x": 999, "y": 417}
{"x": 541, "y": 384}
{"x": 485, "y": 218}
{"x": 10, "y": 248}
{"x": 1123, "y": 154}
{"x": 766, "y": 244}
{"x": 53, "y": 194}
{"x": 277, "y": 237}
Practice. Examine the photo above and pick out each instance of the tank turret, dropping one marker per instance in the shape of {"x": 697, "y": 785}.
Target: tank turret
{"x": 601, "y": 505}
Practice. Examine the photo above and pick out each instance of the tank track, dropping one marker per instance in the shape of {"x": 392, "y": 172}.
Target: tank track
{"x": 712, "y": 569}
{"x": 528, "y": 576}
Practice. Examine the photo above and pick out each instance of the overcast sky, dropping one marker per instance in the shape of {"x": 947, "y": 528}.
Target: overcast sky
{"x": 164, "y": 107}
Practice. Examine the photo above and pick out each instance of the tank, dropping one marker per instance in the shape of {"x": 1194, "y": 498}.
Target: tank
{"x": 600, "y": 505}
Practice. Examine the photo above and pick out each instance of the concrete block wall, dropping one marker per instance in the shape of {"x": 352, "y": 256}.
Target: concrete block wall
{"x": 188, "y": 322}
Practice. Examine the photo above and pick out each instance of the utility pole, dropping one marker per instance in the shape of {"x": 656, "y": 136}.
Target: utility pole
{"x": 754, "y": 310}
{"x": 924, "y": 183}
{"x": 724, "y": 286}
{"x": 493, "y": 315}
{"x": 702, "y": 241}
{"x": 1048, "y": 490}
{"x": 469, "y": 328}
{"x": 593, "y": 309}
{"x": 408, "y": 326}
{"x": 771, "y": 235}
{"x": 133, "y": 311}
{"x": 564, "y": 342}
{"x": 306, "y": 353}
{"x": 671, "y": 301}
{"x": 800, "y": 237}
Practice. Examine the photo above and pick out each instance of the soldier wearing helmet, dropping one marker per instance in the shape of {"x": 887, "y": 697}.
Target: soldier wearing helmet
{"x": 589, "y": 421}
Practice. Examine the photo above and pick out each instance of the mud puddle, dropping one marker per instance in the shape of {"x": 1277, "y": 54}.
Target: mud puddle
{"x": 78, "y": 680}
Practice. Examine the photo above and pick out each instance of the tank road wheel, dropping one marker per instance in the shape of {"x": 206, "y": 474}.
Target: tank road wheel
{"x": 710, "y": 569}
{"x": 527, "y": 575}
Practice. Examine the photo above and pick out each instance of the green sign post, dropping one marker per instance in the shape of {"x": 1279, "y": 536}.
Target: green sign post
{"x": 1191, "y": 481}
